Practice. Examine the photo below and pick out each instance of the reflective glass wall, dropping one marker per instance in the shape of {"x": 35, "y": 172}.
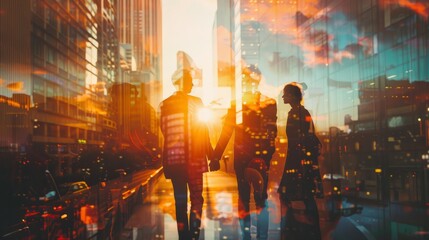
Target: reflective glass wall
{"x": 77, "y": 76}
{"x": 363, "y": 65}
{"x": 364, "y": 68}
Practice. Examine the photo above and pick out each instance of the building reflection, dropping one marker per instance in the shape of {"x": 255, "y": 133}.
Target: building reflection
{"x": 57, "y": 113}
{"x": 364, "y": 66}
{"x": 383, "y": 152}
{"x": 75, "y": 78}
{"x": 66, "y": 70}
{"x": 61, "y": 75}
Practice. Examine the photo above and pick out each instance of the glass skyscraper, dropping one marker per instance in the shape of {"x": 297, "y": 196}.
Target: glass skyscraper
{"x": 365, "y": 67}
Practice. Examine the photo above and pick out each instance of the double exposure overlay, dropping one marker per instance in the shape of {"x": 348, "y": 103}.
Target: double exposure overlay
{"x": 111, "y": 109}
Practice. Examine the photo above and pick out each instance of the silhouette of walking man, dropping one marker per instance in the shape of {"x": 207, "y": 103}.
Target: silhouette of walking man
{"x": 254, "y": 145}
{"x": 186, "y": 150}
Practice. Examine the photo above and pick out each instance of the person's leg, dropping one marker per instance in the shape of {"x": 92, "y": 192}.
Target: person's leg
{"x": 197, "y": 200}
{"x": 312, "y": 214}
{"x": 262, "y": 207}
{"x": 263, "y": 219}
{"x": 283, "y": 211}
{"x": 289, "y": 227}
{"x": 243, "y": 207}
{"x": 181, "y": 203}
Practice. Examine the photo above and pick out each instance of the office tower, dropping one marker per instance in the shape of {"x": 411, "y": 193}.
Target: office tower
{"x": 140, "y": 41}
{"x": 61, "y": 54}
{"x": 358, "y": 61}
{"x": 139, "y": 26}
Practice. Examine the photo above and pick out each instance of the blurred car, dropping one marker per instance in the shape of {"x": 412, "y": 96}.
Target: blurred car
{"x": 119, "y": 179}
{"x": 45, "y": 211}
{"x": 116, "y": 173}
{"x": 333, "y": 184}
{"x": 76, "y": 193}
{"x": 73, "y": 188}
{"x": 337, "y": 188}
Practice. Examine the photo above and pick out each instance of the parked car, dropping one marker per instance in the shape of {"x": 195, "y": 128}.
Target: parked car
{"x": 75, "y": 193}
{"x": 73, "y": 188}
{"x": 46, "y": 210}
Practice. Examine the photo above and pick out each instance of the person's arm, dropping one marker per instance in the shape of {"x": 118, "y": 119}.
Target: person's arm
{"x": 225, "y": 136}
{"x": 270, "y": 118}
{"x": 272, "y": 127}
{"x": 213, "y": 164}
{"x": 311, "y": 136}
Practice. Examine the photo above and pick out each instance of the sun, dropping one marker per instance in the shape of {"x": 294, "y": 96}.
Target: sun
{"x": 205, "y": 115}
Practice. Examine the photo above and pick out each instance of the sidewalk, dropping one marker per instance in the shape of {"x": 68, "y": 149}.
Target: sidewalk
{"x": 155, "y": 218}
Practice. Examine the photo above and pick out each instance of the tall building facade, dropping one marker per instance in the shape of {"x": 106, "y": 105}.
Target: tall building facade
{"x": 374, "y": 87}
{"x": 139, "y": 26}
{"x": 223, "y": 44}
{"x": 62, "y": 57}
{"x": 364, "y": 67}
{"x": 254, "y": 32}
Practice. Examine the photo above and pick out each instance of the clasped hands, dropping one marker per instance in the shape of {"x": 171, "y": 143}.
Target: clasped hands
{"x": 214, "y": 165}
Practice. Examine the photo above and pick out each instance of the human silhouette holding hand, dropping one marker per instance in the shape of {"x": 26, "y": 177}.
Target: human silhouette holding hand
{"x": 186, "y": 151}
{"x": 254, "y": 145}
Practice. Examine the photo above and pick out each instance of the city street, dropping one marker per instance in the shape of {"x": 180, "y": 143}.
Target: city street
{"x": 102, "y": 100}
{"x": 155, "y": 218}
{"x": 141, "y": 206}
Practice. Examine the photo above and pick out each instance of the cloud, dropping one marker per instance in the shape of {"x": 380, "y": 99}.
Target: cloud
{"x": 421, "y": 8}
{"x": 40, "y": 72}
{"x": 269, "y": 90}
{"x": 15, "y": 86}
{"x": 338, "y": 56}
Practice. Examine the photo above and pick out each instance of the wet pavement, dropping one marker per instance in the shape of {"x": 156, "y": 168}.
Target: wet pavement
{"x": 155, "y": 218}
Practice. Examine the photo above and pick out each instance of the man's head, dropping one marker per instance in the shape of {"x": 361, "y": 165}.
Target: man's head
{"x": 182, "y": 80}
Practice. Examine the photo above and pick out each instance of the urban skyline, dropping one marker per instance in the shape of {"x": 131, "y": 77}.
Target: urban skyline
{"x": 81, "y": 81}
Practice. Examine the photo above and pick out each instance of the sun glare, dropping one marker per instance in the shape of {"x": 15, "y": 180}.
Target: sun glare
{"x": 205, "y": 115}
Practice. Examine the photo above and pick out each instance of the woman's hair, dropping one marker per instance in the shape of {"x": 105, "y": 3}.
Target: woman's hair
{"x": 294, "y": 89}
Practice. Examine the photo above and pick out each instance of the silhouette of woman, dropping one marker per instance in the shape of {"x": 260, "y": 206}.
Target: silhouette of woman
{"x": 298, "y": 181}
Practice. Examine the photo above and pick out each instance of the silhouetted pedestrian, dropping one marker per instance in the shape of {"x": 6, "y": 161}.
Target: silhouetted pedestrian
{"x": 254, "y": 145}
{"x": 301, "y": 177}
{"x": 186, "y": 151}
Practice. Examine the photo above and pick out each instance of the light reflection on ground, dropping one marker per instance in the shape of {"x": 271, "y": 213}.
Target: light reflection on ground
{"x": 157, "y": 217}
